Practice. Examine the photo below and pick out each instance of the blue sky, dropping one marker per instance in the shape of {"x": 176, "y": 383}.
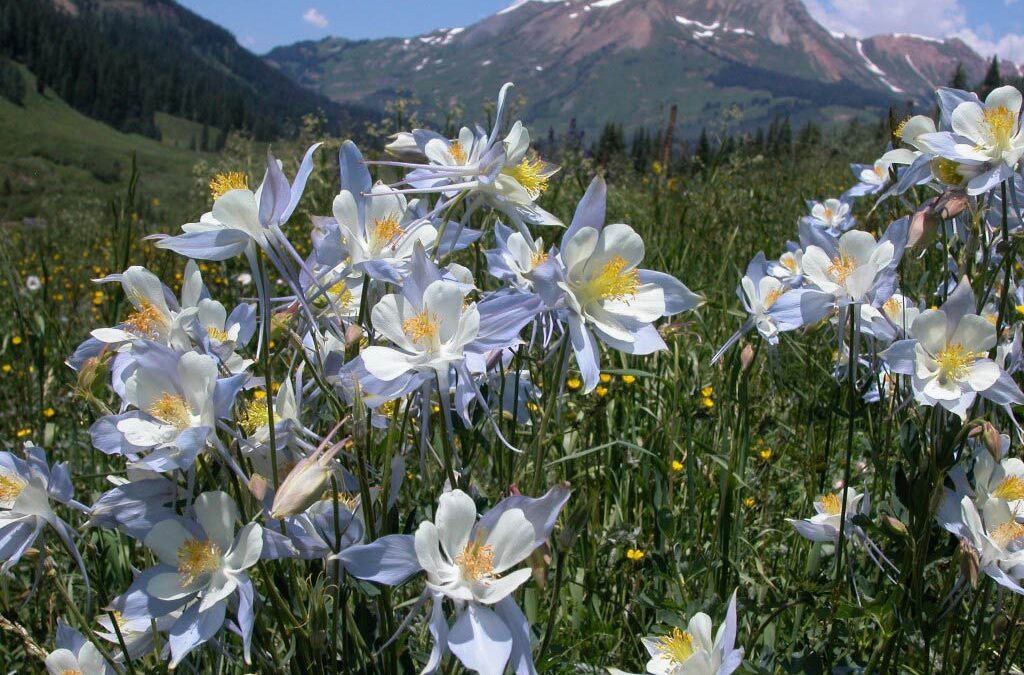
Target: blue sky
{"x": 990, "y": 26}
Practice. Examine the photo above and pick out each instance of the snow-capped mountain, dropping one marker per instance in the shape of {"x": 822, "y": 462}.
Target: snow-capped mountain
{"x": 629, "y": 60}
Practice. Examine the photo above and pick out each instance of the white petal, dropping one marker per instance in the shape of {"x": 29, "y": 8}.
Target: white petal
{"x": 216, "y": 512}
{"x": 455, "y": 518}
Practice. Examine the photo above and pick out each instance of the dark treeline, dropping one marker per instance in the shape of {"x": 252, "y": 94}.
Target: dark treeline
{"x": 122, "y": 66}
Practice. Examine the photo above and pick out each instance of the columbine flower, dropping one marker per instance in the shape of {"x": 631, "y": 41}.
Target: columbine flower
{"x": 178, "y": 399}
{"x": 467, "y": 560}
{"x": 789, "y": 267}
{"x": 987, "y": 135}
{"x": 996, "y": 537}
{"x": 202, "y": 563}
{"x": 596, "y": 281}
{"x": 154, "y": 309}
{"x": 75, "y": 655}
{"x": 1002, "y": 480}
{"x": 693, "y": 651}
{"x": 872, "y": 178}
{"x": 241, "y": 218}
{"x": 516, "y": 257}
{"x": 856, "y": 265}
{"x": 774, "y": 307}
{"x": 824, "y": 525}
{"x": 832, "y": 215}
{"x": 946, "y": 356}
{"x": 26, "y": 488}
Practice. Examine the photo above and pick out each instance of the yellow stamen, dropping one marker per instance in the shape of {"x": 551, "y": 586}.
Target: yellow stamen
{"x": 10, "y": 486}
{"x": 829, "y": 213}
{"x": 613, "y": 283}
{"x": 421, "y": 328}
{"x": 1007, "y": 533}
{"x": 773, "y": 296}
{"x": 385, "y": 230}
{"x": 217, "y": 333}
{"x": 947, "y": 171}
{"x": 900, "y": 128}
{"x": 171, "y": 409}
{"x": 538, "y": 258}
{"x": 254, "y": 416}
{"x": 954, "y": 361}
{"x": 842, "y": 267}
{"x": 678, "y": 646}
{"x": 476, "y": 560}
{"x": 387, "y": 409}
{"x": 1001, "y": 123}
{"x": 892, "y": 308}
{"x": 1010, "y": 488}
{"x": 145, "y": 321}
{"x": 789, "y": 262}
{"x": 529, "y": 174}
{"x": 70, "y": 672}
{"x": 832, "y": 504}
{"x": 458, "y": 154}
{"x": 223, "y": 183}
{"x": 196, "y": 558}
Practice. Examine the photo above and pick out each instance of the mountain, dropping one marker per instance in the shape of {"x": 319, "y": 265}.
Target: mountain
{"x": 124, "y": 61}
{"x": 628, "y": 61}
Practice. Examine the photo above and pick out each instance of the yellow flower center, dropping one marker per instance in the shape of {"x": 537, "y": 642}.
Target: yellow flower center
{"x": 217, "y": 333}
{"x": 538, "y": 258}
{"x": 1007, "y": 533}
{"x": 615, "y": 282}
{"x": 1010, "y": 488}
{"x": 773, "y": 296}
{"x": 387, "y": 409}
{"x": 225, "y": 182}
{"x": 789, "y": 262}
{"x": 879, "y": 170}
{"x": 196, "y": 558}
{"x": 832, "y": 504}
{"x": 385, "y": 230}
{"x": 892, "y": 308}
{"x": 900, "y": 128}
{"x": 10, "y": 486}
{"x": 458, "y": 154}
{"x": 421, "y": 328}
{"x": 678, "y": 646}
{"x": 829, "y": 213}
{"x": 70, "y": 672}
{"x": 254, "y": 416}
{"x": 476, "y": 560}
{"x": 947, "y": 171}
{"x": 171, "y": 409}
{"x": 145, "y": 321}
{"x": 842, "y": 267}
{"x": 529, "y": 174}
{"x": 953, "y": 362}
{"x": 1001, "y": 123}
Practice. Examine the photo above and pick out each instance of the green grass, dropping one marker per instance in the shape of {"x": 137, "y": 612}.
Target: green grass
{"x": 54, "y": 158}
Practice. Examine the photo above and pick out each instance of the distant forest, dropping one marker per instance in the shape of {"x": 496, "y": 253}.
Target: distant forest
{"x": 122, "y": 66}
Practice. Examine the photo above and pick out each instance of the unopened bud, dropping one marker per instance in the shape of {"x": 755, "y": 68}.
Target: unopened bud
{"x": 969, "y": 562}
{"x": 353, "y": 334}
{"x": 746, "y": 356}
{"x": 258, "y": 486}
{"x": 403, "y": 146}
{"x": 894, "y": 526}
{"x": 994, "y": 443}
{"x": 305, "y": 484}
{"x": 999, "y": 625}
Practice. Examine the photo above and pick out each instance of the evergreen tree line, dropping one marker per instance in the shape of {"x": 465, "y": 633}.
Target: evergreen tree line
{"x": 121, "y": 67}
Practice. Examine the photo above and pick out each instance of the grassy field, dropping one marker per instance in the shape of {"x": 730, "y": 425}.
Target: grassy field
{"x": 683, "y": 473}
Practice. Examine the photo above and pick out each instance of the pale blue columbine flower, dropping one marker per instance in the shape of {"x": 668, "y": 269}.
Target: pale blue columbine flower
{"x": 242, "y": 219}
{"x": 27, "y": 488}
{"x": 985, "y": 135}
{"x": 464, "y": 559}
{"x": 203, "y": 565}
{"x": 871, "y": 178}
{"x": 695, "y": 651}
{"x": 177, "y": 400}
{"x": 947, "y": 357}
{"x": 855, "y": 268}
{"x": 833, "y": 215}
{"x": 773, "y": 306}
{"x": 75, "y": 654}
{"x": 597, "y": 286}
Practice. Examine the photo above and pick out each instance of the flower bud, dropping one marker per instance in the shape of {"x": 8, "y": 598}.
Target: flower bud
{"x": 969, "y": 562}
{"x": 305, "y": 484}
{"x": 993, "y": 442}
{"x": 403, "y": 146}
{"x": 746, "y": 356}
{"x": 353, "y": 334}
{"x": 894, "y": 526}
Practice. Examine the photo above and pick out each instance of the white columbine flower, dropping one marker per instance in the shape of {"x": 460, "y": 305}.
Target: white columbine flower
{"x": 992, "y": 131}
{"x": 851, "y": 270}
{"x": 824, "y": 525}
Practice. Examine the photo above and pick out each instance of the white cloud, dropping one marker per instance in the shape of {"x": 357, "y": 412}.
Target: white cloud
{"x": 934, "y": 18}
{"x": 314, "y": 18}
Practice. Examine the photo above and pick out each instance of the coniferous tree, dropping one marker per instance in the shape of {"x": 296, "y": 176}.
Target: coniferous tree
{"x": 992, "y": 78}
{"x": 959, "y": 79}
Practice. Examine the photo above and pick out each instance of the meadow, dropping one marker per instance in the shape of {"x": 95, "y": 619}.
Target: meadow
{"x": 682, "y": 472}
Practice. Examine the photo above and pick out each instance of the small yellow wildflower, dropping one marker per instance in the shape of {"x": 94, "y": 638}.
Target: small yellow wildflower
{"x": 708, "y": 402}
{"x": 49, "y": 412}
{"x": 574, "y": 383}
{"x": 6, "y": 368}
{"x": 601, "y": 391}
{"x": 605, "y": 378}
{"x": 749, "y": 502}
{"x": 16, "y": 340}
{"x": 677, "y": 466}
{"x": 636, "y": 555}
{"x": 22, "y": 433}
{"x": 765, "y": 454}
{"x": 707, "y": 392}
{"x": 629, "y": 379}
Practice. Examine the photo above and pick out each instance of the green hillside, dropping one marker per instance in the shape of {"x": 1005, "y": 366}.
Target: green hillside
{"x": 53, "y": 158}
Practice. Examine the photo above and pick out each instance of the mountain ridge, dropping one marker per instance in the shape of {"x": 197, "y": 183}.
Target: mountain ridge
{"x": 627, "y": 61}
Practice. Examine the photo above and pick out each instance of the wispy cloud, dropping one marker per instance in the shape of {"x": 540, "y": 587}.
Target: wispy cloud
{"x": 313, "y": 17}
{"x": 935, "y": 18}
